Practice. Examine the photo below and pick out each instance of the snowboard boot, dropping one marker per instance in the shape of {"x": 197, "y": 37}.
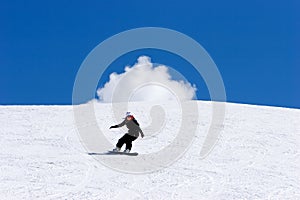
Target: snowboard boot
{"x": 127, "y": 151}
{"x": 117, "y": 149}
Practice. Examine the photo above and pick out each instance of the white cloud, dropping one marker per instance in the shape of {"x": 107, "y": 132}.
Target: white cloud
{"x": 144, "y": 82}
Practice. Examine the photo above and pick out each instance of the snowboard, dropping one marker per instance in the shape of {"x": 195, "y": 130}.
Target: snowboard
{"x": 123, "y": 153}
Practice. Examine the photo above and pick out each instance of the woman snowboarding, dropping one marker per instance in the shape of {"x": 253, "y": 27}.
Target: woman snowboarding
{"x": 133, "y": 133}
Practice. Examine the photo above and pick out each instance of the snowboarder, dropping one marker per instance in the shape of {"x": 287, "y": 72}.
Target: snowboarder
{"x": 133, "y": 132}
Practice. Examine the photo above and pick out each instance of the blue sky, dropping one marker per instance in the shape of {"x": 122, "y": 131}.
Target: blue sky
{"x": 255, "y": 45}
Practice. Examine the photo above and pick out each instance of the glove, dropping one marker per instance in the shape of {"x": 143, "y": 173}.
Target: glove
{"x": 115, "y": 126}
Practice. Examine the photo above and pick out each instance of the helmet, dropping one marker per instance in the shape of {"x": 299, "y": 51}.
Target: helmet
{"x": 128, "y": 114}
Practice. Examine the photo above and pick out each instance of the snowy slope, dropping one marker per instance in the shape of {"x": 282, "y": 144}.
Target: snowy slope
{"x": 256, "y": 157}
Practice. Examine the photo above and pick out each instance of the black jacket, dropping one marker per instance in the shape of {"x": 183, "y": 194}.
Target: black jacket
{"x": 133, "y": 127}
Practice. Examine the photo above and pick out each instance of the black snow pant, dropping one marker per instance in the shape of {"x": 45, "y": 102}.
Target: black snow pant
{"x": 127, "y": 139}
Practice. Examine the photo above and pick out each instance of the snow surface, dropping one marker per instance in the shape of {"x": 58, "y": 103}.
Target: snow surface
{"x": 256, "y": 156}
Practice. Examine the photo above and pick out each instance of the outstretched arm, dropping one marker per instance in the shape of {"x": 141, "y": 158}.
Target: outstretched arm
{"x": 114, "y": 126}
{"x": 117, "y": 126}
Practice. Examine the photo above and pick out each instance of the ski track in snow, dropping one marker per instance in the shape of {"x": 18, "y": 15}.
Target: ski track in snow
{"x": 256, "y": 157}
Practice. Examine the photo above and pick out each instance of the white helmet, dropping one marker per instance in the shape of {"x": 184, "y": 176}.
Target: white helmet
{"x": 128, "y": 114}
